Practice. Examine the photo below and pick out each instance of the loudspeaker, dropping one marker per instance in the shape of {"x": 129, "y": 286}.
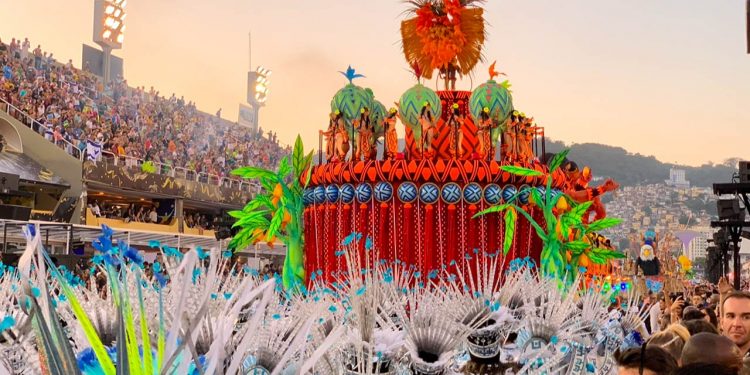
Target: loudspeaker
{"x": 11, "y": 212}
{"x": 729, "y": 209}
{"x": 744, "y": 167}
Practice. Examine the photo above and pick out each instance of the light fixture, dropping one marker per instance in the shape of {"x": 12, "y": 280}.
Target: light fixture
{"x": 110, "y": 9}
{"x": 120, "y": 38}
{"x": 106, "y": 34}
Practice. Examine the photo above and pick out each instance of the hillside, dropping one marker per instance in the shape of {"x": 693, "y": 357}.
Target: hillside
{"x": 635, "y": 169}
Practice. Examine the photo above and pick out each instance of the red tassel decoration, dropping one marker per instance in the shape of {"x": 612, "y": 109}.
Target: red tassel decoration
{"x": 362, "y": 228}
{"x": 309, "y": 251}
{"x": 346, "y": 229}
{"x": 320, "y": 252}
{"x": 407, "y": 244}
{"x": 382, "y": 245}
{"x": 330, "y": 239}
{"x": 491, "y": 230}
{"x": 471, "y": 226}
{"x": 430, "y": 255}
{"x": 452, "y": 245}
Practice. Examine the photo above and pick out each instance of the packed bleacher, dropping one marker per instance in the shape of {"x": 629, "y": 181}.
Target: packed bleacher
{"x": 133, "y": 124}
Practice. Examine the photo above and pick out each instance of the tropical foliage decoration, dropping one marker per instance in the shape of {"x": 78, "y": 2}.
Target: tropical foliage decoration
{"x": 277, "y": 213}
{"x": 565, "y": 252}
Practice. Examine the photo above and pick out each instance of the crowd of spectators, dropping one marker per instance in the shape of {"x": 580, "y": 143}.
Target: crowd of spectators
{"x": 129, "y": 212}
{"x": 703, "y": 331}
{"x": 74, "y": 106}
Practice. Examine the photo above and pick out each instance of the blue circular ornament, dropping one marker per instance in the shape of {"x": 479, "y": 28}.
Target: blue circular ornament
{"x": 473, "y": 193}
{"x": 332, "y": 193}
{"x": 429, "y": 193}
{"x": 524, "y": 196}
{"x": 407, "y": 192}
{"x": 493, "y": 194}
{"x": 364, "y": 192}
{"x": 319, "y": 194}
{"x": 307, "y": 197}
{"x": 383, "y": 191}
{"x": 347, "y": 193}
{"x": 451, "y": 193}
{"x": 509, "y": 191}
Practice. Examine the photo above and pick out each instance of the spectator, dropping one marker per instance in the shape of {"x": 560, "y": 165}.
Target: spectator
{"x": 696, "y": 326}
{"x": 645, "y": 360}
{"x": 153, "y": 217}
{"x": 735, "y": 319}
{"x": 670, "y": 341}
{"x": 711, "y": 348}
{"x": 705, "y": 369}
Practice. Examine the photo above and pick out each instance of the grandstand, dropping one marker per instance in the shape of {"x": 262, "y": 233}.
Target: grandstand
{"x": 84, "y": 154}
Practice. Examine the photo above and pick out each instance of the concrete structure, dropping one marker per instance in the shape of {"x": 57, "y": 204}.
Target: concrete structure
{"x": 698, "y": 246}
{"x": 677, "y": 178}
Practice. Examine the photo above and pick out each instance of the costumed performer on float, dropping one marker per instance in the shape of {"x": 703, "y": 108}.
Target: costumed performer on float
{"x": 428, "y": 130}
{"x": 363, "y": 126}
{"x": 391, "y": 136}
{"x": 342, "y": 137}
{"x": 455, "y": 122}
{"x": 577, "y": 187}
{"x": 330, "y": 137}
{"x": 483, "y": 133}
{"x": 510, "y": 144}
{"x": 525, "y": 138}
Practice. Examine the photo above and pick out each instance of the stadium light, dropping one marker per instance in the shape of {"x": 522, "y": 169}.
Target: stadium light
{"x": 109, "y": 29}
{"x": 260, "y": 92}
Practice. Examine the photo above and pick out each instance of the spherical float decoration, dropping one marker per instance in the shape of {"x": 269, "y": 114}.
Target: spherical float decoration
{"x": 332, "y": 193}
{"x": 350, "y": 100}
{"x": 525, "y": 191}
{"x": 496, "y": 98}
{"x": 319, "y": 194}
{"x": 493, "y": 194}
{"x": 429, "y": 193}
{"x": 451, "y": 193}
{"x": 307, "y": 196}
{"x": 410, "y": 106}
{"x": 364, "y": 192}
{"x": 407, "y": 192}
{"x": 347, "y": 193}
{"x": 509, "y": 191}
{"x": 383, "y": 191}
{"x": 377, "y": 115}
{"x": 473, "y": 193}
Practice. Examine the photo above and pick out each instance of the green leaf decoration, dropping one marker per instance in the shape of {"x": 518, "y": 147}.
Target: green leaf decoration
{"x": 493, "y": 209}
{"x": 284, "y": 168}
{"x": 308, "y": 168}
{"x": 602, "y": 224}
{"x": 510, "y": 229}
{"x": 608, "y": 254}
{"x": 580, "y": 210}
{"x": 558, "y": 159}
{"x": 520, "y": 171}
{"x": 253, "y": 173}
{"x": 577, "y": 246}
{"x": 273, "y": 229}
{"x": 237, "y": 214}
{"x": 537, "y": 198}
{"x": 298, "y": 157}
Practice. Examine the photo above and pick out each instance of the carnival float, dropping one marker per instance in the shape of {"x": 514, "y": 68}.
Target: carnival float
{"x": 472, "y": 176}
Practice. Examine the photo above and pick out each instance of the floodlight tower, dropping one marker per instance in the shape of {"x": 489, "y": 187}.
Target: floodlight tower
{"x": 109, "y": 29}
{"x": 257, "y": 86}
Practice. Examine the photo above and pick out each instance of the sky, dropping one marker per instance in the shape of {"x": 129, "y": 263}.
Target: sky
{"x": 668, "y": 78}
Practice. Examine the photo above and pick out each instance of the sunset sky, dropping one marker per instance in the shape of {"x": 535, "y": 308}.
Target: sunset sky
{"x": 668, "y": 78}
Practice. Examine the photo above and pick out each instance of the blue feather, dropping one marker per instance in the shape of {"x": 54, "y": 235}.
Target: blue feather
{"x": 351, "y": 74}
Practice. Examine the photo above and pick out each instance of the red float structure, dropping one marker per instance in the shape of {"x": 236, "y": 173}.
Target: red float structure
{"x": 420, "y": 211}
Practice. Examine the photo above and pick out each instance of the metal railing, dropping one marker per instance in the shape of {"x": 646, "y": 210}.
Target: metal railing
{"x": 127, "y": 161}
